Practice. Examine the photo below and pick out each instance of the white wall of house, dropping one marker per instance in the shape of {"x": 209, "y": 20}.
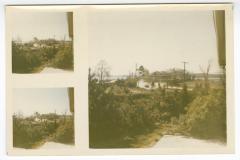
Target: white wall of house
{"x": 147, "y": 85}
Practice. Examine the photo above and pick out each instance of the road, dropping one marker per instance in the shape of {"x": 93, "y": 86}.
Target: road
{"x": 54, "y": 145}
{"x": 50, "y": 145}
{"x": 181, "y": 142}
{"x": 54, "y": 70}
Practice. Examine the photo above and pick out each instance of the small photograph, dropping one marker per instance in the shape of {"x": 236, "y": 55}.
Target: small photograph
{"x": 157, "y": 79}
{"x": 42, "y": 42}
{"x": 43, "y": 118}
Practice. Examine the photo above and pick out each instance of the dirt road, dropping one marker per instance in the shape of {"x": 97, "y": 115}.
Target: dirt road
{"x": 54, "y": 70}
{"x": 182, "y": 142}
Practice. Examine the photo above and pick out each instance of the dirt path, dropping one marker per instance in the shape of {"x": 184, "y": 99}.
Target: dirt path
{"x": 54, "y": 145}
{"x": 166, "y": 136}
{"x": 51, "y": 145}
{"x": 147, "y": 140}
{"x": 54, "y": 70}
{"x": 174, "y": 141}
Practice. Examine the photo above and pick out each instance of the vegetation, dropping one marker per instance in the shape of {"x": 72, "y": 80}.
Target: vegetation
{"x": 32, "y": 131}
{"x": 206, "y": 116}
{"x": 120, "y": 112}
{"x": 65, "y": 132}
{"x": 33, "y": 56}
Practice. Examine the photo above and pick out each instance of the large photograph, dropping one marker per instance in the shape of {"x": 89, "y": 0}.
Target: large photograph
{"x": 42, "y": 42}
{"x": 157, "y": 79}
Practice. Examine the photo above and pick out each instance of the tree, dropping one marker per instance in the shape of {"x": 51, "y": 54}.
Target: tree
{"x": 205, "y": 75}
{"x": 36, "y": 114}
{"x": 35, "y": 39}
{"x": 142, "y": 71}
{"x": 102, "y": 71}
{"x": 90, "y": 75}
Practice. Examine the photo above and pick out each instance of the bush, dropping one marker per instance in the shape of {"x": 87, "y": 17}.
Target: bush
{"x": 29, "y": 59}
{"x": 131, "y": 83}
{"x": 65, "y": 132}
{"x": 23, "y": 60}
{"x": 206, "y": 116}
{"x": 112, "y": 116}
{"x": 26, "y": 134}
{"x": 64, "y": 58}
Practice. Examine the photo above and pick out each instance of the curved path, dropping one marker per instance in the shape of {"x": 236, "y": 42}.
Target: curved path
{"x": 54, "y": 145}
{"x": 180, "y": 142}
{"x": 54, "y": 70}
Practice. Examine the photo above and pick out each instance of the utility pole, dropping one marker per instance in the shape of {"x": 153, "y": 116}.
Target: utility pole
{"x": 184, "y": 70}
{"x": 136, "y": 68}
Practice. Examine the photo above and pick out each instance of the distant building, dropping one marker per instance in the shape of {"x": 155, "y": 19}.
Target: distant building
{"x": 147, "y": 85}
{"x": 36, "y": 45}
{"x": 36, "y": 119}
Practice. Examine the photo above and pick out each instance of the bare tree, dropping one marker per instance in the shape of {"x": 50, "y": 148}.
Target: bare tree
{"x": 102, "y": 71}
{"x": 205, "y": 73}
{"x": 91, "y": 75}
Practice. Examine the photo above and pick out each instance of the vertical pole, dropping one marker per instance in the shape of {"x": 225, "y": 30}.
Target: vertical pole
{"x": 184, "y": 70}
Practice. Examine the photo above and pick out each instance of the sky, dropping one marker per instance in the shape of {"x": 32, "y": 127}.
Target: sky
{"x": 29, "y": 24}
{"x": 158, "y": 40}
{"x": 41, "y": 100}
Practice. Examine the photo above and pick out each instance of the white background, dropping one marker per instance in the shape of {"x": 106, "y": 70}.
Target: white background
{"x": 3, "y": 155}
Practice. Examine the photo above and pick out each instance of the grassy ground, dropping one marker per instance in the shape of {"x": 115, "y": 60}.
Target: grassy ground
{"x": 143, "y": 140}
{"x": 147, "y": 140}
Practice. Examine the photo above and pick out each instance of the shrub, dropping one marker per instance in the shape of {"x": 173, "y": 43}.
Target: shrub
{"x": 26, "y": 134}
{"x": 65, "y": 132}
{"x": 64, "y": 58}
{"x": 206, "y": 116}
{"x": 28, "y": 59}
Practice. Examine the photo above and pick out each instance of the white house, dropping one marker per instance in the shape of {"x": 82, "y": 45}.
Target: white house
{"x": 40, "y": 120}
{"x": 147, "y": 85}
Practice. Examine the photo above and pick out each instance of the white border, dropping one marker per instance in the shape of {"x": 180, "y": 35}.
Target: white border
{"x": 2, "y": 81}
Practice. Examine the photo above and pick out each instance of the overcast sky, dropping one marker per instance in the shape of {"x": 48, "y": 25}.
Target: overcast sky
{"x": 42, "y": 100}
{"x": 27, "y": 24}
{"x": 158, "y": 40}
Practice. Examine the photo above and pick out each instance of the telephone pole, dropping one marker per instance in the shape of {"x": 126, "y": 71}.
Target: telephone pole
{"x": 136, "y": 68}
{"x": 184, "y": 70}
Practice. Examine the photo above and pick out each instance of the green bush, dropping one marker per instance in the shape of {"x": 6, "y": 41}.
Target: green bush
{"x": 24, "y": 60}
{"x": 26, "y": 134}
{"x": 206, "y": 116}
{"x": 64, "y": 58}
{"x": 115, "y": 113}
{"x": 65, "y": 132}
{"x": 29, "y": 59}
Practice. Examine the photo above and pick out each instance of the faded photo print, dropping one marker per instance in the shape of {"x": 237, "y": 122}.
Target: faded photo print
{"x": 156, "y": 78}
{"x": 43, "y": 118}
{"x": 42, "y": 42}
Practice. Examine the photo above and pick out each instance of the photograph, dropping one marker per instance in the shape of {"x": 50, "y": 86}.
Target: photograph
{"x": 157, "y": 78}
{"x": 42, "y": 42}
{"x": 43, "y": 118}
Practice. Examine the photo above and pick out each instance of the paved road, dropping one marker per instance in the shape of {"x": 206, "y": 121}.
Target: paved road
{"x": 181, "y": 142}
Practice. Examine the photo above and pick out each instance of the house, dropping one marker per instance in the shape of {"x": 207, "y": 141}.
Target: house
{"x": 36, "y": 45}
{"x": 36, "y": 119}
{"x": 147, "y": 85}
